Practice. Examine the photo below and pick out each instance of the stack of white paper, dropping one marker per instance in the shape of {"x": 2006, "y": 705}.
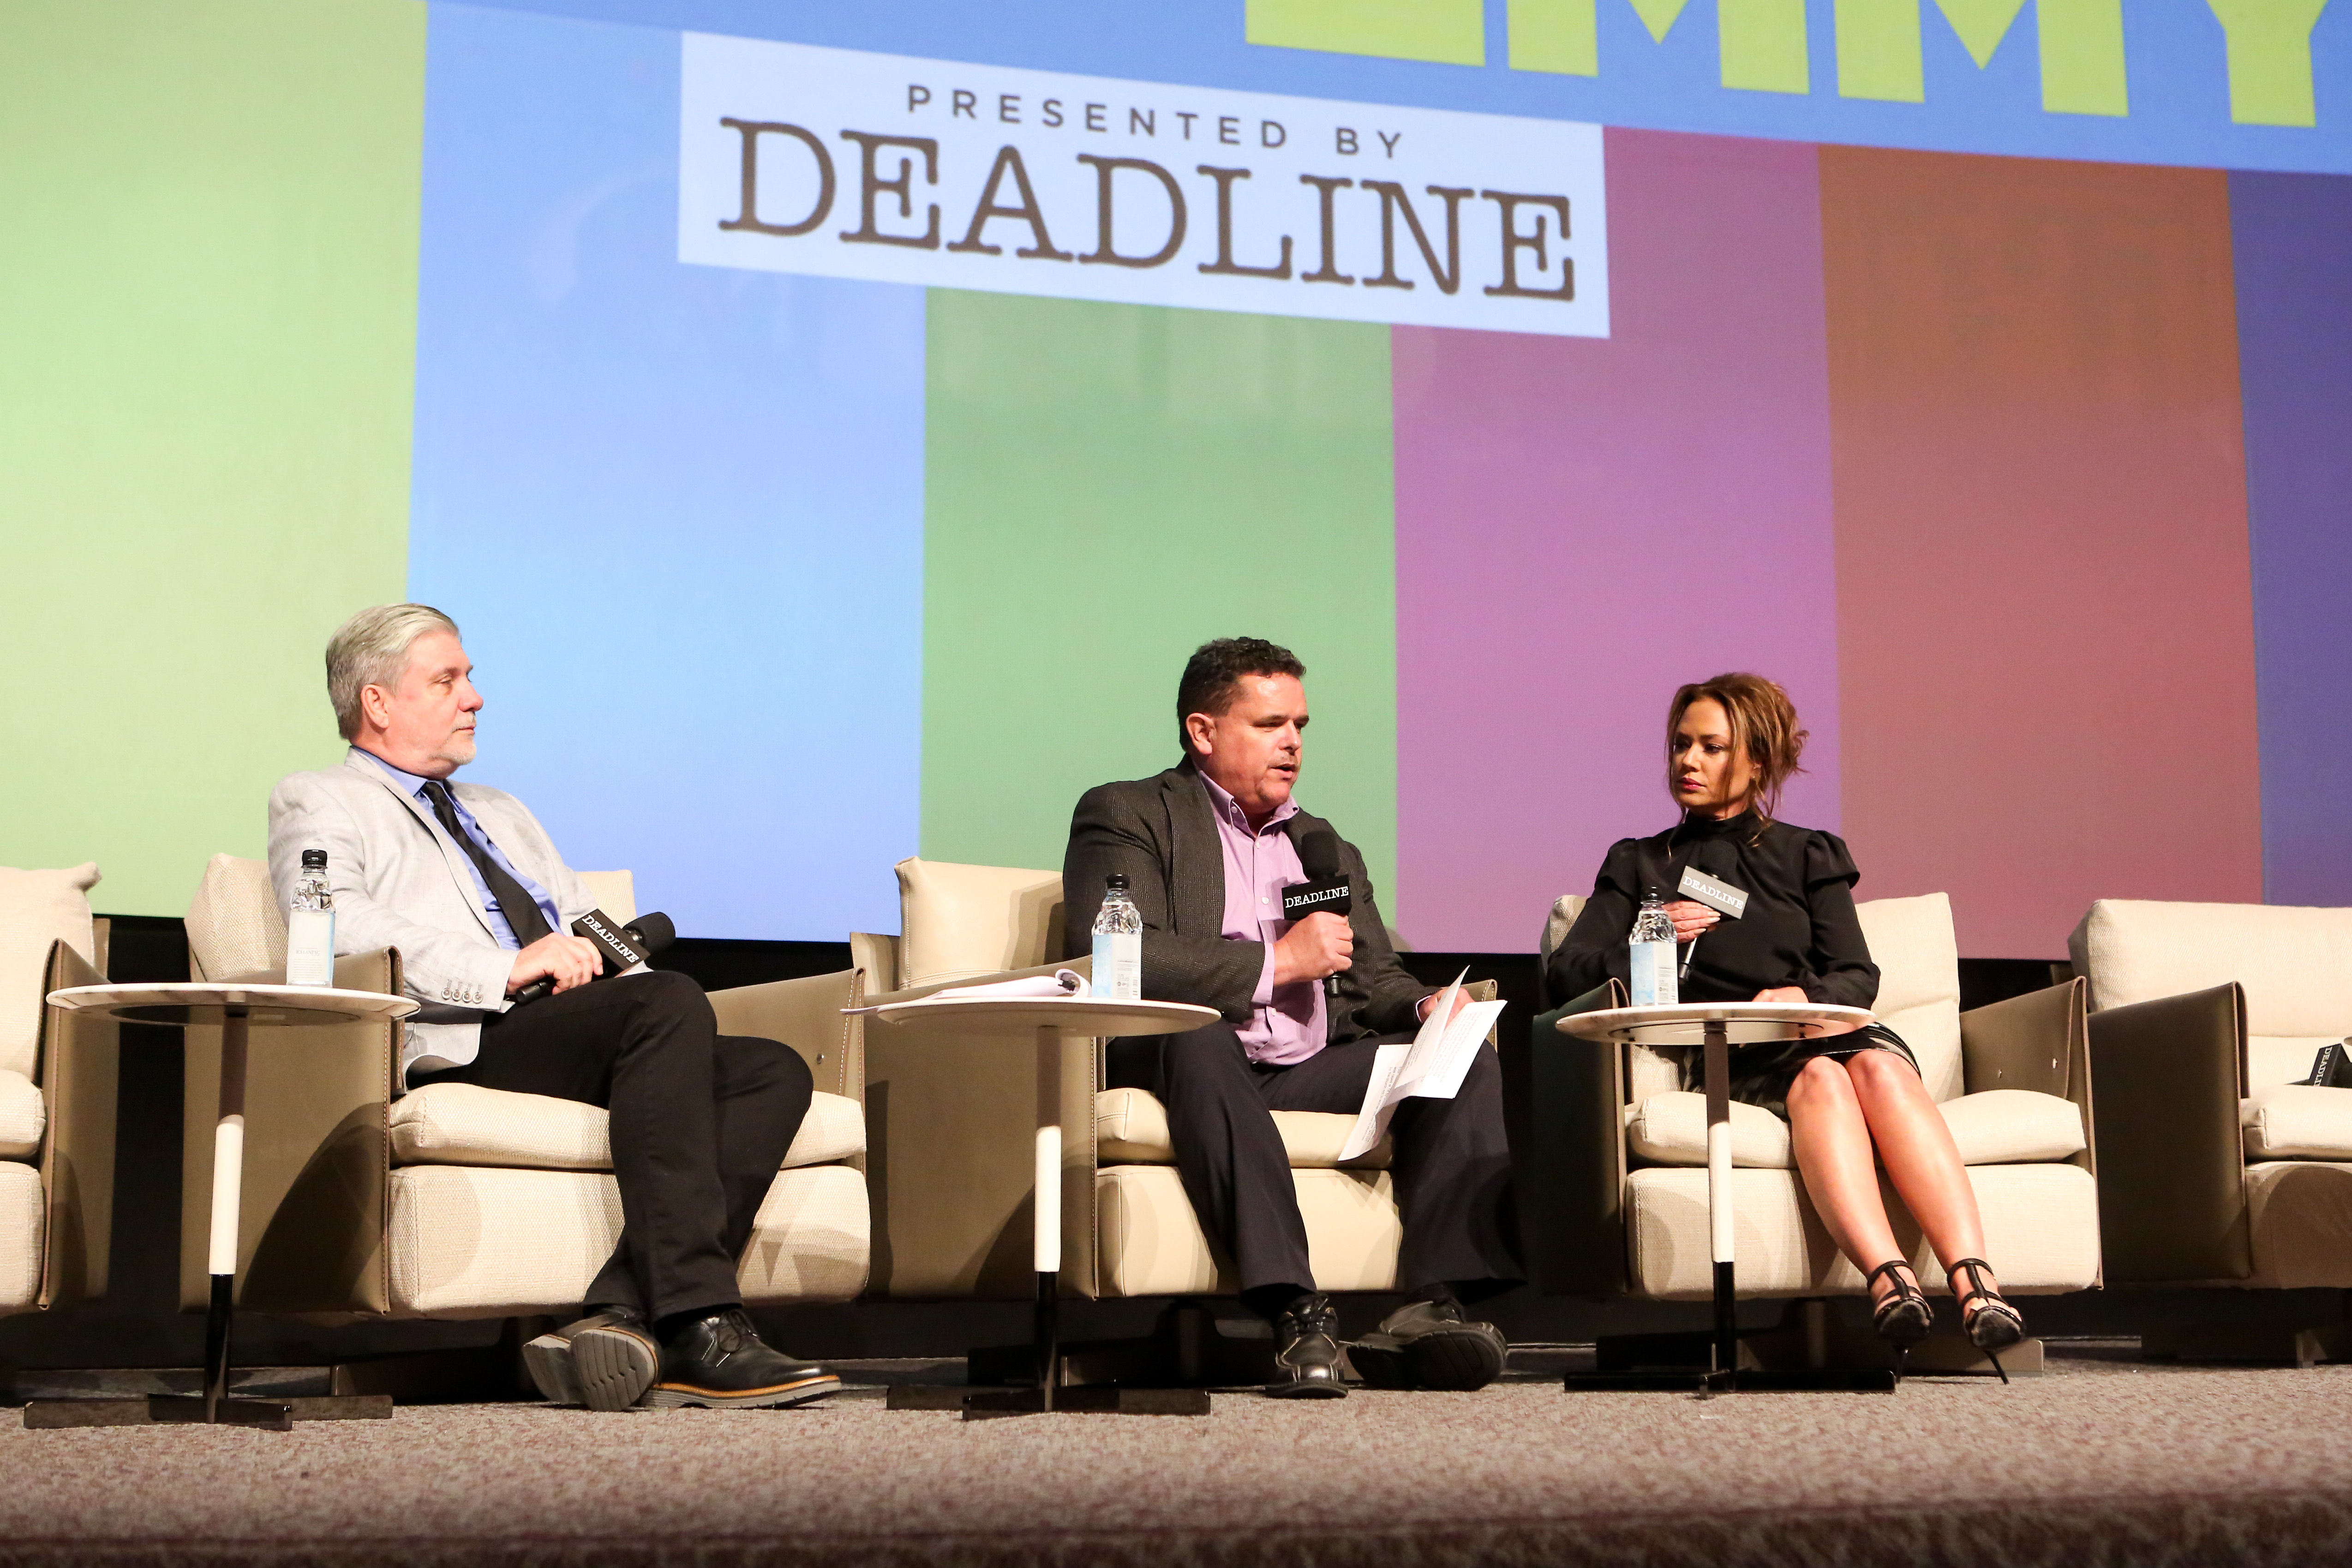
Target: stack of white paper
{"x": 1431, "y": 1064}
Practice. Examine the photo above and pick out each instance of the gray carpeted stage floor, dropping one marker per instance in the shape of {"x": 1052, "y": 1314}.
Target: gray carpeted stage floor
{"x": 2101, "y": 1460}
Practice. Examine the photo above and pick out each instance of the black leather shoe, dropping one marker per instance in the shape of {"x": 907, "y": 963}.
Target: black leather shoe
{"x": 1429, "y": 1344}
{"x": 605, "y": 1361}
{"x": 1306, "y": 1355}
{"x": 719, "y": 1362}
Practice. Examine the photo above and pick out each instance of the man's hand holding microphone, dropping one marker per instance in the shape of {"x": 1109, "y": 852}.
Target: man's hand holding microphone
{"x": 560, "y": 957}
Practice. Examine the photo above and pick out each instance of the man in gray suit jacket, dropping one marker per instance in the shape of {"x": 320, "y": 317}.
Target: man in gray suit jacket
{"x": 1206, "y": 849}
{"x": 465, "y": 884}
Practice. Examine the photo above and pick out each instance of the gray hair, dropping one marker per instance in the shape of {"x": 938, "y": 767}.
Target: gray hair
{"x": 371, "y": 649}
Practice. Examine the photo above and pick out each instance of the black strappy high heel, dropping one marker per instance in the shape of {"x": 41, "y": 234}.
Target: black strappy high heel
{"x": 1902, "y": 1317}
{"x": 1995, "y": 1325}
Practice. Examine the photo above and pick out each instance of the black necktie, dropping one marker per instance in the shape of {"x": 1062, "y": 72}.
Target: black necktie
{"x": 519, "y": 907}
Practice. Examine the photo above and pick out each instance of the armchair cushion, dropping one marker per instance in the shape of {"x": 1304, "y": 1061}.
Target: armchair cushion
{"x": 1996, "y": 1127}
{"x": 2297, "y": 1122}
{"x": 2295, "y": 965}
{"x": 476, "y": 1243}
{"x": 1150, "y": 1242}
{"x": 1918, "y": 960}
{"x": 961, "y": 923}
{"x": 235, "y": 932}
{"x": 1131, "y": 1128}
{"x": 2041, "y": 1223}
{"x": 36, "y": 909}
{"x": 465, "y": 1124}
{"x": 22, "y": 1117}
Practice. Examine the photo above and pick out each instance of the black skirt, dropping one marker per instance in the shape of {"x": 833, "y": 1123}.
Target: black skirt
{"x": 1761, "y": 1074}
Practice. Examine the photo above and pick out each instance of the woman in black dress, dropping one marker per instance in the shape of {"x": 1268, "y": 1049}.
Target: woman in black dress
{"x": 1851, "y": 1100}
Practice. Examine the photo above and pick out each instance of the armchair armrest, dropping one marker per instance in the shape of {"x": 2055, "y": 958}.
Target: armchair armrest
{"x": 2172, "y": 1164}
{"x": 79, "y": 1067}
{"x": 1570, "y": 1172}
{"x": 2039, "y": 1041}
{"x": 805, "y": 1014}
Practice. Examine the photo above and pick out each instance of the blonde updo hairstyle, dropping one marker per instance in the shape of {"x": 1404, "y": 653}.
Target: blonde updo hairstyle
{"x": 1763, "y": 726}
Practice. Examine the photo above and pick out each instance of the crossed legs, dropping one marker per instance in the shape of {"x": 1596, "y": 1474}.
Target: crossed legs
{"x": 1838, "y": 1111}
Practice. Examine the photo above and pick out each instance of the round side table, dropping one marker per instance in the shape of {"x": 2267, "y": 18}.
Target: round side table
{"x": 236, "y": 1009}
{"x": 1713, "y": 1028}
{"x": 1051, "y": 1021}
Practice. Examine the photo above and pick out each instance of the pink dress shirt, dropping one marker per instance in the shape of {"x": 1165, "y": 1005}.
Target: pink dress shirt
{"x": 1286, "y": 1022}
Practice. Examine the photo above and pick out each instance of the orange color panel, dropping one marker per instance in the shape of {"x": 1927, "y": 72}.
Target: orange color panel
{"x": 2045, "y": 622}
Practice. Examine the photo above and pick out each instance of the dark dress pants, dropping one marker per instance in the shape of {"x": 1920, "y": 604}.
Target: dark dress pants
{"x": 700, "y": 1123}
{"x": 1449, "y": 1167}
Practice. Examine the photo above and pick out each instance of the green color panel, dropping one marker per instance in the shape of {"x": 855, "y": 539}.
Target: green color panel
{"x": 1560, "y": 36}
{"x": 1762, "y": 44}
{"x": 2083, "y": 56}
{"x": 208, "y": 296}
{"x": 1107, "y": 487}
{"x": 1451, "y": 32}
{"x": 2270, "y": 59}
{"x": 1878, "y": 50}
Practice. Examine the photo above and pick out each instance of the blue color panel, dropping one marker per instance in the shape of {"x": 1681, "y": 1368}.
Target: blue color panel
{"x": 678, "y": 511}
{"x": 2293, "y": 235}
{"x": 2175, "y": 53}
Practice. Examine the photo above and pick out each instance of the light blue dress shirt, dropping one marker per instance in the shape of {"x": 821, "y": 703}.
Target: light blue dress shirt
{"x": 499, "y": 928}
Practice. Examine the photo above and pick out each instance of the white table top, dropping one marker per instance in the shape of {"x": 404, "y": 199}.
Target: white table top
{"x": 1746, "y": 1023}
{"x": 1077, "y": 1016}
{"x": 200, "y": 1002}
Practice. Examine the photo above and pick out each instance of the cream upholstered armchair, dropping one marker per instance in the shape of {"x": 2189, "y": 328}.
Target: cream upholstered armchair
{"x": 455, "y": 1201}
{"x": 953, "y": 1116}
{"x": 58, "y": 1074}
{"x": 2219, "y": 1166}
{"x": 1613, "y": 1198}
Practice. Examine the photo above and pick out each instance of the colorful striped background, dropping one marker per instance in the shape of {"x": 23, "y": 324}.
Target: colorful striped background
{"x": 2029, "y": 478}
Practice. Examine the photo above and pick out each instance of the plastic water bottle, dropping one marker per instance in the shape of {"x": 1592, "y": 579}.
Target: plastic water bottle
{"x": 310, "y": 926}
{"x": 1652, "y": 955}
{"x": 1118, "y": 943}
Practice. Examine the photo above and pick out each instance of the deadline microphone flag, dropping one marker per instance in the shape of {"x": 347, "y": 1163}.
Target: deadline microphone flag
{"x": 1327, "y": 889}
{"x": 623, "y": 946}
{"x": 1703, "y": 880}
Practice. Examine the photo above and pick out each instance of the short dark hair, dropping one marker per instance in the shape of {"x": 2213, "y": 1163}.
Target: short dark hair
{"x": 1216, "y": 668}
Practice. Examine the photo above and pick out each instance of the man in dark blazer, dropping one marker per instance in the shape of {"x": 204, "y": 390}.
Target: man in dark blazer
{"x": 1206, "y": 849}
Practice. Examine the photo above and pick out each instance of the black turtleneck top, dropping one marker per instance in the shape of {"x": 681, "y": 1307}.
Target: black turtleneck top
{"x": 1800, "y": 927}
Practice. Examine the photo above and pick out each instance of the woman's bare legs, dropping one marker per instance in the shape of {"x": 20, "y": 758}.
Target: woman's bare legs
{"x": 1921, "y": 1159}
{"x": 1831, "y": 1138}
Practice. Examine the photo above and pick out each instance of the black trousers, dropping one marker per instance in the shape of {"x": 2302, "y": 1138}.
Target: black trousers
{"x": 1451, "y": 1166}
{"x": 700, "y": 1123}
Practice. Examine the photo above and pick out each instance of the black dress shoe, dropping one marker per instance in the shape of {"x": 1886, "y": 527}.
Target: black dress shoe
{"x": 719, "y": 1362}
{"x": 1306, "y": 1355}
{"x": 605, "y": 1361}
{"x": 1429, "y": 1344}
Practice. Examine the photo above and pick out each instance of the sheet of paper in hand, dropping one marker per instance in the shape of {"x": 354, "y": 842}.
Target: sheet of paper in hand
{"x": 1431, "y": 1064}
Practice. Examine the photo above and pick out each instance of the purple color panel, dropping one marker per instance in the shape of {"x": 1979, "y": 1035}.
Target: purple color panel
{"x": 2292, "y": 235}
{"x": 1583, "y": 524}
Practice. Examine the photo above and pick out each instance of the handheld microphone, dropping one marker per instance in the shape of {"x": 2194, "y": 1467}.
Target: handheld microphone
{"x": 1703, "y": 881}
{"x": 623, "y": 946}
{"x": 1327, "y": 889}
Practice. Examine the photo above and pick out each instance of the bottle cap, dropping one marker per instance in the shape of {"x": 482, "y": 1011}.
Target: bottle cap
{"x": 1115, "y": 881}
{"x": 314, "y": 860}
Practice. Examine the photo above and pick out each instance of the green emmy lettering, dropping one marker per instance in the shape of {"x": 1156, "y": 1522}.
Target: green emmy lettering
{"x": 1449, "y": 32}
{"x": 1762, "y": 44}
{"x": 2083, "y": 56}
{"x": 1878, "y": 51}
{"x": 1562, "y": 36}
{"x": 2270, "y": 59}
